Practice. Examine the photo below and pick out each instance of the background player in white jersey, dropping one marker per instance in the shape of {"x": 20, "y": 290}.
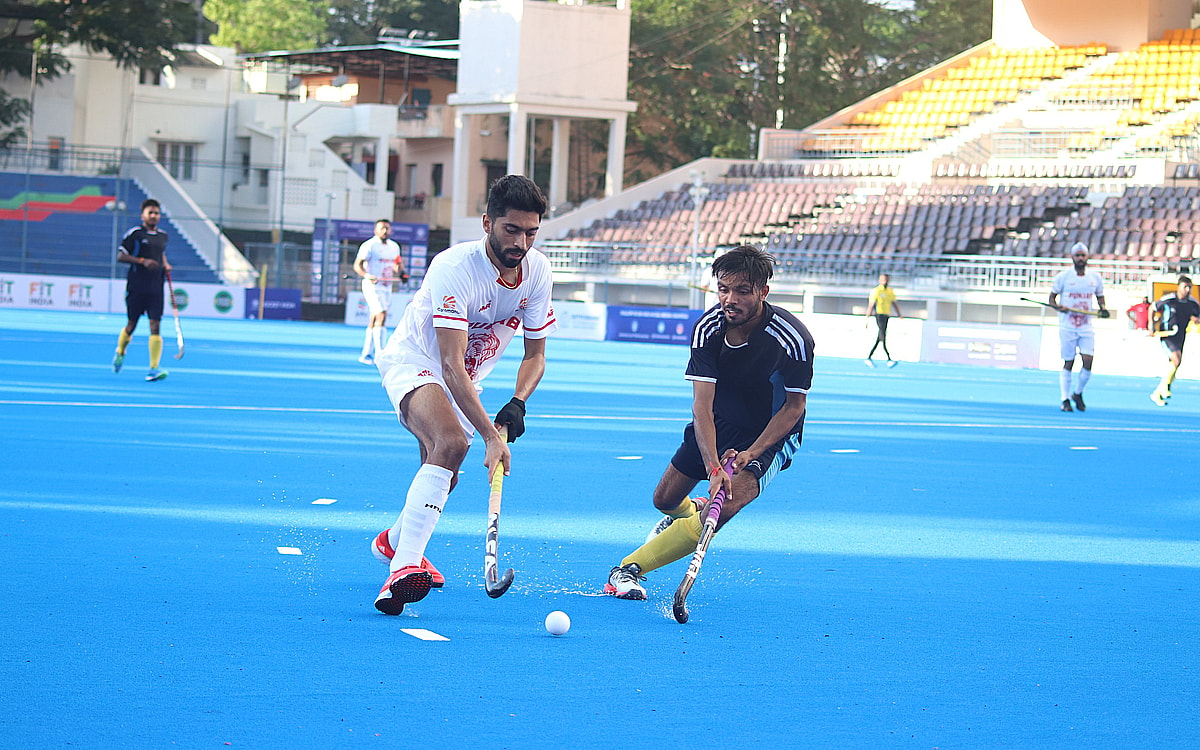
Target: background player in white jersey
{"x": 379, "y": 264}
{"x": 1071, "y": 294}
{"x": 474, "y": 298}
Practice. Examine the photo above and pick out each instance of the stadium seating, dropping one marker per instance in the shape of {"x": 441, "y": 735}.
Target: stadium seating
{"x": 69, "y": 231}
{"x": 837, "y": 222}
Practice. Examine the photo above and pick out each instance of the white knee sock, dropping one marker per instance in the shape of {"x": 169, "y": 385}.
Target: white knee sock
{"x": 368, "y": 339}
{"x": 1064, "y": 383}
{"x": 378, "y": 338}
{"x": 426, "y": 497}
{"x": 1082, "y": 379}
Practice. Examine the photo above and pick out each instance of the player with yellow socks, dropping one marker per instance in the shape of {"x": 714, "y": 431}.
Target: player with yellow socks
{"x": 144, "y": 250}
{"x": 751, "y": 367}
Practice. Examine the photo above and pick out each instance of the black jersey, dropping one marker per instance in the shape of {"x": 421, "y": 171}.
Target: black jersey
{"x": 1177, "y": 313}
{"x": 752, "y": 380}
{"x": 141, "y": 243}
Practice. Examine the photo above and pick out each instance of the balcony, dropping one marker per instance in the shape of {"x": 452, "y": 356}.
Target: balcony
{"x": 433, "y": 121}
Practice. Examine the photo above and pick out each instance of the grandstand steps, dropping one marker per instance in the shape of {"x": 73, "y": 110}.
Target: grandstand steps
{"x": 1038, "y": 99}
{"x": 1129, "y": 145}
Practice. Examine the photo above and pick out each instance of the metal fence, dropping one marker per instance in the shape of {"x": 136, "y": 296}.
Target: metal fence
{"x": 958, "y": 273}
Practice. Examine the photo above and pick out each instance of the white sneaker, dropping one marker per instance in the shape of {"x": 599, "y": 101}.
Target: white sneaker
{"x": 891, "y": 363}
{"x": 623, "y": 582}
{"x": 367, "y": 359}
{"x": 869, "y": 362}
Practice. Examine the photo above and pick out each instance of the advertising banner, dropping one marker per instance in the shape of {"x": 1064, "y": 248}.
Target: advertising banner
{"x": 652, "y": 325}
{"x": 278, "y": 304}
{"x": 981, "y": 344}
{"x": 32, "y": 291}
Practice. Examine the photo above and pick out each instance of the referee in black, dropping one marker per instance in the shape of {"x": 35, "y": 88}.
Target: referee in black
{"x": 144, "y": 249}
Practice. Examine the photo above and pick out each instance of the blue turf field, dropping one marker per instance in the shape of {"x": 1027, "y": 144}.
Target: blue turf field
{"x": 951, "y": 563}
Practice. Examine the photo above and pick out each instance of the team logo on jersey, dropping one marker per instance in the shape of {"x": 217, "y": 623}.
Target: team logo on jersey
{"x": 486, "y": 305}
{"x": 480, "y": 349}
{"x": 524, "y": 302}
{"x": 449, "y": 305}
{"x": 425, "y": 374}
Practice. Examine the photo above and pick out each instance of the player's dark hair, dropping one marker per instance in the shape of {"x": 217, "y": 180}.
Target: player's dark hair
{"x": 1185, "y": 280}
{"x": 515, "y": 191}
{"x": 150, "y": 202}
{"x": 746, "y": 260}
{"x": 383, "y": 221}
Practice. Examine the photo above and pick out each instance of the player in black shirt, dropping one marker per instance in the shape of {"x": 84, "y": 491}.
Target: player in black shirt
{"x": 1175, "y": 311}
{"x": 144, "y": 248}
{"x": 751, "y": 367}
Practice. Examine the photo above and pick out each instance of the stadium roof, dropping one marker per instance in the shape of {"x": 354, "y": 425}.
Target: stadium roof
{"x": 384, "y": 60}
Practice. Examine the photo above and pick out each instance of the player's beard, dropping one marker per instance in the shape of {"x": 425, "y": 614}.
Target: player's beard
{"x": 743, "y": 317}
{"x": 505, "y": 257}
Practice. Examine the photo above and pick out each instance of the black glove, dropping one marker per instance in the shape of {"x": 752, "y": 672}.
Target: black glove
{"x": 512, "y": 414}
{"x": 1105, "y": 313}
{"x": 404, "y": 277}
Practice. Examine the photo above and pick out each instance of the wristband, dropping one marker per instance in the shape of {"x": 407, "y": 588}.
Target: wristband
{"x": 713, "y": 470}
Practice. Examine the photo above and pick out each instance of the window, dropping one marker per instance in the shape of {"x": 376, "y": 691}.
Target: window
{"x": 435, "y": 180}
{"x": 179, "y": 159}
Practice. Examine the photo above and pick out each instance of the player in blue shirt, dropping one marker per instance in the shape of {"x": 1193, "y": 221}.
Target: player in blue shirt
{"x": 751, "y": 367}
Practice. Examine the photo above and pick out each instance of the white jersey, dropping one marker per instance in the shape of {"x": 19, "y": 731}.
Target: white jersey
{"x": 1076, "y": 292}
{"x": 462, "y": 290}
{"x": 380, "y": 256}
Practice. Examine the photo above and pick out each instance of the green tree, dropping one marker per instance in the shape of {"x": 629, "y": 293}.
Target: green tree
{"x": 704, "y": 72}
{"x": 132, "y": 32}
{"x": 265, "y": 25}
{"x": 354, "y": 22}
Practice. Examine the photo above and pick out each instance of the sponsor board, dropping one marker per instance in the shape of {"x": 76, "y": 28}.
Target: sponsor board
{"x": 653, "y": 325}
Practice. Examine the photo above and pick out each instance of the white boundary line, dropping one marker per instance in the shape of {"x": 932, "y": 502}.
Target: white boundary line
{"x": 611, "y": 418}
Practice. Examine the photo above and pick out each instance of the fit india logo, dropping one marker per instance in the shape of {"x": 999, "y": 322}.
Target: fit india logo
{"x": 223, "y": 301}
{"x": 6, "y": 292}
{"x": 79, "y": 296}
{"x": 41, "y": 293}
{"x": 180, "y": 298}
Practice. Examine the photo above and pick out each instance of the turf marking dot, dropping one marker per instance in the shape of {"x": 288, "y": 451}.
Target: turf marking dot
{"x": 629, "y": 458}
{"x": 844, "y": 450}
{"x": 423, "y": 634}
{"x": 288, "y": 550}
{"x": 1084, "y": 448}
{"x": 324, "y": 501}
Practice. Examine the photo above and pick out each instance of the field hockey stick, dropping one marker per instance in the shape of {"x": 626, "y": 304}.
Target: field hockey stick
{"x": 175, "y": 313}
{"x": 1065, "y": 309}
{"x": 496, "y": 586}
{"x": 706, "y": 534}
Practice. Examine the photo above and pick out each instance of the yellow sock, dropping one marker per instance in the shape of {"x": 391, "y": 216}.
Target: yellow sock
{"x": 156, "y": 352}
{"x": 679, "y": 540}
{"x": 686, "y": 509}
{"x": 1164, "y": 387}
{"x": 123, "y": 341}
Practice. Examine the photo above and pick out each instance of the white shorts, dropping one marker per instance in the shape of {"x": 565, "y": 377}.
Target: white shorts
{"x": 403, "y": 372}
{"x": 377, "y": 296}
{"x": 1073, "y": 340}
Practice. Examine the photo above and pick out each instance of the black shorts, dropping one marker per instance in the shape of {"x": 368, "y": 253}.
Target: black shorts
{"x": 1174, "y": 343}
{"x": 881, "y": 321}
{"x": 149, "y": 304}
{"x": 688, "y": 461}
